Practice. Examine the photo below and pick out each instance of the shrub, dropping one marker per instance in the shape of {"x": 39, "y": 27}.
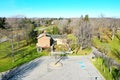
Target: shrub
{"x": 61, "y": 47}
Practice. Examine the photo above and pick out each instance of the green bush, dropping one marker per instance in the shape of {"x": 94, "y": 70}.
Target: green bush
{"x": 60, "y": 48}
{"x": 73, "y": 46}
{"x": 115, "y": 73}
{"x": 55, "y": 30}
{"x": 99, "y": 64}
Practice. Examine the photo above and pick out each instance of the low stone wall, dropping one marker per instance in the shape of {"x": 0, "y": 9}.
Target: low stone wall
{"x": 97, "y": 53}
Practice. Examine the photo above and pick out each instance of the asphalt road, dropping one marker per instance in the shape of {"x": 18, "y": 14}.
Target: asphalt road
{"x": 74, "y": 68}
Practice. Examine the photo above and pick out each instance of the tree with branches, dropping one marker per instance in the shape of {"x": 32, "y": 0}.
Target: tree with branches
{"x": 83, "y": 33}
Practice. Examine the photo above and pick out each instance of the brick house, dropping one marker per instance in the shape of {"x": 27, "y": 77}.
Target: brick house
{"x": 44, "y": 41}
{"x": 47, "y": 41}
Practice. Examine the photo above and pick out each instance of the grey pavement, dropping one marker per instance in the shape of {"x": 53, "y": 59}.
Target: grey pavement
{"x": 74, "y": 68}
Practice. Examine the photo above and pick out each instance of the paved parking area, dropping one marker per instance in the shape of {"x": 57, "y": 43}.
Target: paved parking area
{"x": 74, "y": 68}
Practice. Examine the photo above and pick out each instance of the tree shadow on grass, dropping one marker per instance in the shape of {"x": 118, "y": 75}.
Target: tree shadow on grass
{"x": 16, "y": 53}
{"x": 19, "y": 72}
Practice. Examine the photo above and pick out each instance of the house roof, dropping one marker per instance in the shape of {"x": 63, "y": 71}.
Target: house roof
{"x": 51, "y": 36}
{"x": 41, "y": 35}
{"x": 58, "y": 36}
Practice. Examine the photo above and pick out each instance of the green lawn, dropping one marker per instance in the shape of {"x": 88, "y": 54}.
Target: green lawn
{"x": 97, "y": 62}
{"x": 86, "y": 51}
{"x": 21, "y": 55}
{"x": 108, "y": 47}
{"x": 41, "y": 28}
{"x": 73, "y": 44}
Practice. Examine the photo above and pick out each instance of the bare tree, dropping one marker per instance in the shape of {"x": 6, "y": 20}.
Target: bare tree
{"x": 13, "y": 23}
{"x": 114, "y": 27}
{"x": 74, "y": 24}
{"x": 62, "y": 26}
{"x": 14, "y": 31}
{"x": 83, "y": 33}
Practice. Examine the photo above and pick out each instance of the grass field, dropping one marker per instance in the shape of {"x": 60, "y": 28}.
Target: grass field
{"x": 86, "y": 51}
{"x": 108, "y": 47}
{"x": 41, "y": 28}
{"x": 102, "y": 68}
{"x": 21, "y": 55}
